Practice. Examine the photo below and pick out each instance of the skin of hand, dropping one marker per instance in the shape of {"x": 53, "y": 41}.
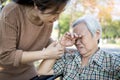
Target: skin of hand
{"x": 53, "y": 51}
{"x": 68, "y": 39}
{"x": 45, "y": 68}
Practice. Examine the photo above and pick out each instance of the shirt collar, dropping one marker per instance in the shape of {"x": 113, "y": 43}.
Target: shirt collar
{"x": 97, "y": 58}
{"x": 78, "y": 58}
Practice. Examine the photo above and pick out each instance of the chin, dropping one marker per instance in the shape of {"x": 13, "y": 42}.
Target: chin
{"x": 82, "y": 52}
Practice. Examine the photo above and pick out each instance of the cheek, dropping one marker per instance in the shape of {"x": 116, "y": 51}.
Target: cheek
{"x": 42, "y": 18}
{"x": 46, "y": 16}
{"x": 46, "y": 19}
{"x": 90, "y": 45}
{"x": 87, "y": 43}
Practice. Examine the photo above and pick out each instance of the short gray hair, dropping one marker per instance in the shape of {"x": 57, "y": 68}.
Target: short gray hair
{"x": 92, "y": 24}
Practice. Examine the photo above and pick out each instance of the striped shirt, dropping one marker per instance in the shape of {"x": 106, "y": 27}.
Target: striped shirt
{"x": 102, "y": 66}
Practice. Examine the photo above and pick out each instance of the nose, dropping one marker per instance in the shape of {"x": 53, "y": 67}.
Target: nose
{"x": 55, "y": 17}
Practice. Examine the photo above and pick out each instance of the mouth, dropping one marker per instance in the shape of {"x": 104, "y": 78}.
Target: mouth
{"x": 79, "y": 47}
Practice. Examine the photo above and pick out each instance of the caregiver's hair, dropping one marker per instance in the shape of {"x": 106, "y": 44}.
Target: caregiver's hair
{"x": 92, "y": 24}
{"x": 43, "y": 4}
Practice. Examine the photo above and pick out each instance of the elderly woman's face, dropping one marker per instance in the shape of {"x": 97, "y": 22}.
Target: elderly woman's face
{"x": 86, "y": 43}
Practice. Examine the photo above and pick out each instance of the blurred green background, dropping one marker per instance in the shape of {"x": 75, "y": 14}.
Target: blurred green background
{"x": 107, "y": 11}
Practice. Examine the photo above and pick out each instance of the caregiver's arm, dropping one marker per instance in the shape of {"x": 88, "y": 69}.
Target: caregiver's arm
{"x": 46, "y": 65}
{"x": 45, "y": 68}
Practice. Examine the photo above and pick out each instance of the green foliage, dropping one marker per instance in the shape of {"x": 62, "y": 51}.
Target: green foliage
{"x": 66, "y": 20}
{"x": 4, "y": 2}
{"x": 111, "y": 41}
{"x": 111, "y": 29}
{"x": 64, "y": 23}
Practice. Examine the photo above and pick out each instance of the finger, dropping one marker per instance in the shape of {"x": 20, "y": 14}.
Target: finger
{"x": 60, "y": 47}
{"x": 79, "y": 36}
{"x": 60, "y": 55}
{"x": 53, "y": 44}
{"x": 72, "y": 35}
{"x": 61, "y": 51}
{"x": 57, "y": 57}
{"x": 75, "y": 35}
{"x": 67, "y": 33}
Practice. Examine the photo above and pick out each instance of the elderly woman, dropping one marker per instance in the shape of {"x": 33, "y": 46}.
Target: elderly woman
{"x": 89, "y": 62}
{"x": 25, "y": 30}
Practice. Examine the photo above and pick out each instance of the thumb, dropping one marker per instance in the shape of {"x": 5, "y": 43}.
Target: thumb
{"x": 53, "y": 44}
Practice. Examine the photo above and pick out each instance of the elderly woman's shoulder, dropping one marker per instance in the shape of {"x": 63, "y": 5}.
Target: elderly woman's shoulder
{"x": 110, "y": 53}
{"x": 111, "y": 56}
{"x": 110, "y": 60}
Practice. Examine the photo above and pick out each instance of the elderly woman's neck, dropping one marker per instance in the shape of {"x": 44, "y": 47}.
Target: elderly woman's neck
{"x": 86, "y": 57}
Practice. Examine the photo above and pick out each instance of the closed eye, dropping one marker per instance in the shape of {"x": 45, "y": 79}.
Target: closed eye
{"x": 80, "y": 38}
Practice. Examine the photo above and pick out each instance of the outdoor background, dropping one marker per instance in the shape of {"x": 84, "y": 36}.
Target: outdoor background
{"x": 107, "y": 12}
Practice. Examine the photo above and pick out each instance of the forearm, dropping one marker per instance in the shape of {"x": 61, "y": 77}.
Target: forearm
{"x": 45, "y": 68}
{"x": 51, "y": 52}
{"x": 32, "y": 56}
{"x": 46, "y": 65}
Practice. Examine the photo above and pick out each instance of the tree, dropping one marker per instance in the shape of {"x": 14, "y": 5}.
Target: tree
{"x": 63, "y": 24}
{"x": 102, "y": 9}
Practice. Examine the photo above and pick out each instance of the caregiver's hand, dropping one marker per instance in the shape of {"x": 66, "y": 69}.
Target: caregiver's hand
{"x": 53, "y": 51}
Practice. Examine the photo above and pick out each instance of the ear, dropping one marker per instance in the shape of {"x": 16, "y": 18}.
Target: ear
{"x": 35, "y": 7}
{"x": 98, "y": 35}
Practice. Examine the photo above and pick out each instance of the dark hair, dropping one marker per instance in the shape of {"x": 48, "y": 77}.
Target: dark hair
{"x": 43, "y": 4}
{"x": 25, "y": 2}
